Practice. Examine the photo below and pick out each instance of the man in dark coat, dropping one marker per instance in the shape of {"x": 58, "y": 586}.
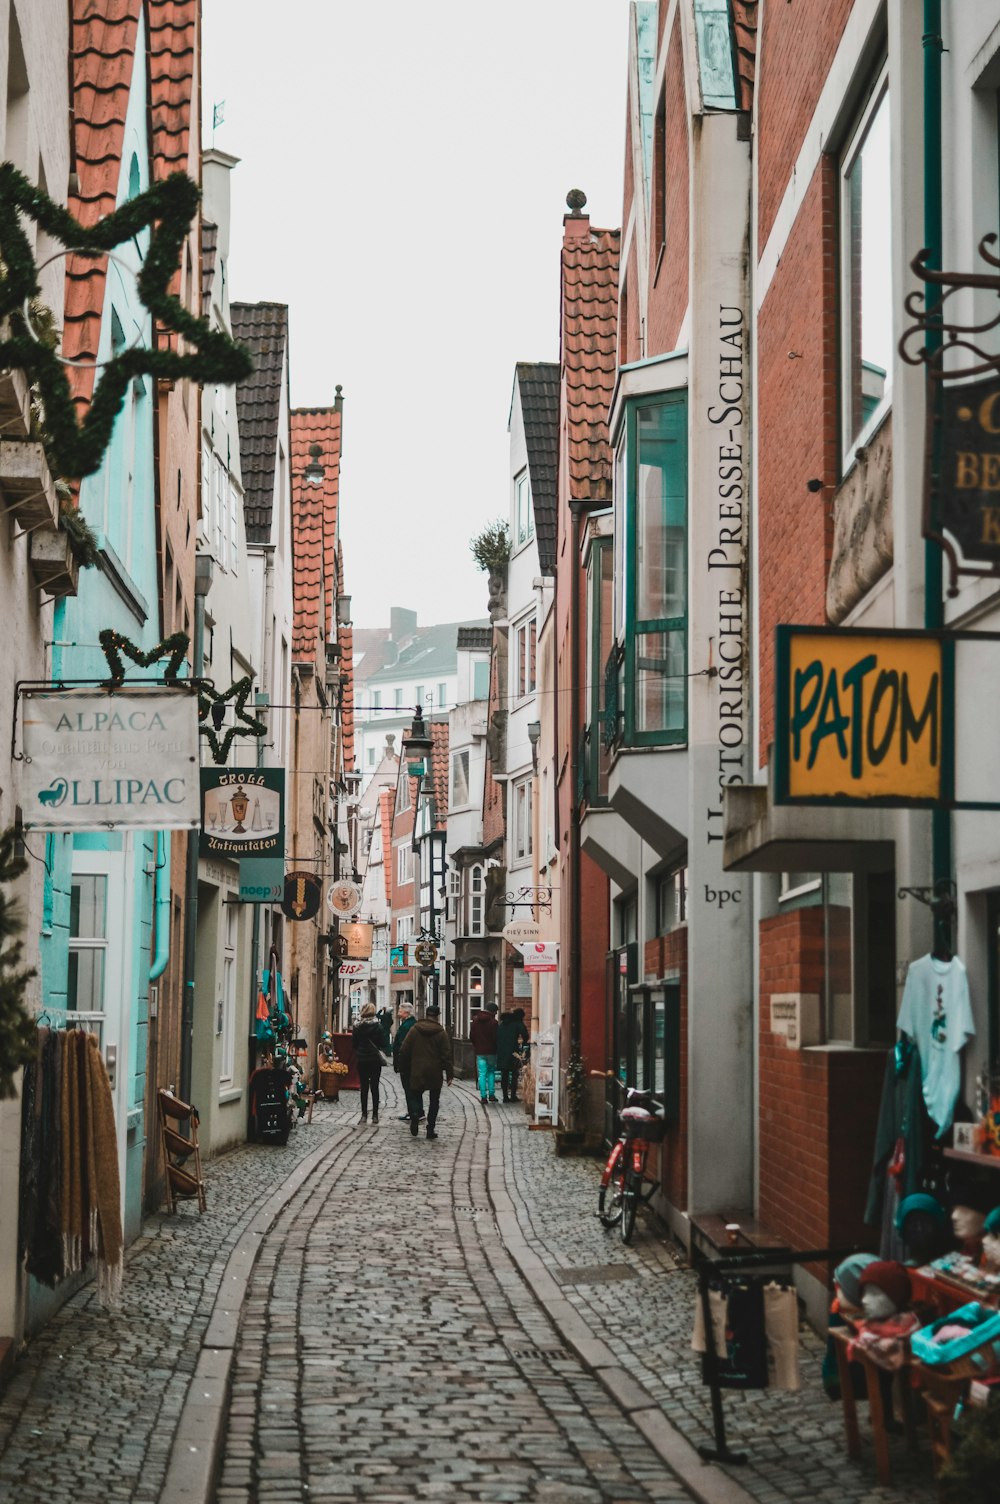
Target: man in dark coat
{"x": 426, "y": 1054}
{"x": 406, "y": 1022}
{"x": 512, "y": 1037}
{"x": 483, "y": 1038}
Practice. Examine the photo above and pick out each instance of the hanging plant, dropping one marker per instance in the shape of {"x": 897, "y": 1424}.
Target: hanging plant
{"x": 17, "y": 1028}
{"x": 82, "y": 538}
{"x": 491, "y": 549}
{"x": 167, "y": 208}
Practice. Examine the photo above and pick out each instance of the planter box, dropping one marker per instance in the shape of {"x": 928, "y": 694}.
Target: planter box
{"x": 26, "y": 487}
{"x": 15, "y": 404}
{"x": 52, "y": 563}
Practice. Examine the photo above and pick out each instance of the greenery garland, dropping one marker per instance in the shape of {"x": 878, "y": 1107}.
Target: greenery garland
{"x": 114, "y": 644}
{"x": 244, "y": 725}
{"x": 17, "y": 1029}
{"x": 77, "y": 449}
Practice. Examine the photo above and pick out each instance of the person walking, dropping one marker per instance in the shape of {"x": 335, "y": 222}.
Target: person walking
{"x": 368, "y": 1041}
{"x": 406, "y": 1022}
{"x": 483, "y": 1038}
{"x": 512, "y": 1039}
{"x": 426, "y": 1055}
{"x": 384, "y": 1017}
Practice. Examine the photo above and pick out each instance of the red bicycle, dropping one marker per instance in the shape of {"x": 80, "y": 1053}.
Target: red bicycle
{"x": 624, "y": 1177}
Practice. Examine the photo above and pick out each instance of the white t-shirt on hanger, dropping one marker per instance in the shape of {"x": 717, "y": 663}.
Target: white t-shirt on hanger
{"x": 936, "y": 1013}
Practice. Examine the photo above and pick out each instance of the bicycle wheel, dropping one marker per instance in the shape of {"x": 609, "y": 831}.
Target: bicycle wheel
{"x": 630, "y": 1204}
{"x": 609, "y": 1200}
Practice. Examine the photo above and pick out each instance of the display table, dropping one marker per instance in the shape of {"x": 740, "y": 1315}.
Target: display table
{"x": 874, "y": 1379}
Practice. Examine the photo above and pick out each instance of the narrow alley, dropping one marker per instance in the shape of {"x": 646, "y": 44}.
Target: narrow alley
{"x": 404, "y": 1320}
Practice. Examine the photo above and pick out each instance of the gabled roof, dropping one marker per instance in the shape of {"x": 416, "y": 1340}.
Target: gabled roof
{"x": 314, "y": 527}
{"x": 102, "y": 60}
{"x": 385, "y": 803}
{"x": 209, "y": 251}
{"x": 538, "y": 383}
{"x": 474, "y": 639}
{"x": 588, "y": 352}
{"x": 263, "y": 328}
{"x": 433, "y": 651}
{"x": 745, "y": 13}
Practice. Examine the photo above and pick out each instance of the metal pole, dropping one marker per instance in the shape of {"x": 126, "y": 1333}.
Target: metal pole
{"x": 933, "y": 45}
{"x": 203, "y": 580}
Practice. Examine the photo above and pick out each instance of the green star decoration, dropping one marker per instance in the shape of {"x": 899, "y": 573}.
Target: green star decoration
{"x": 244, "y": 724}
{"x": 114, "y": 644}
{"x": 77, "y": 449}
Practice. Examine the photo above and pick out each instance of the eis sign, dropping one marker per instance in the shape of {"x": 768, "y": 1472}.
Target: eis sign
{"x": 863, "y": 717}
{"x": 100, "y": 760}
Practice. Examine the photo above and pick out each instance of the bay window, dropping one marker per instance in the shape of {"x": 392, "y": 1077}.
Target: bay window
{"x": 651, "y": 524}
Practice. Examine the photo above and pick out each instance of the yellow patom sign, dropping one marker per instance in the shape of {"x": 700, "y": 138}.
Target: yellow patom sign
{"x": 863, "y": 717}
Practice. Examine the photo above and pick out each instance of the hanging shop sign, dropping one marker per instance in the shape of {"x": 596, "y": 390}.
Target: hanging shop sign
{"x": 262, "y": 879}
{"x": 527, "y": 931}
{"x": 542, "y": 956}
{"x": 344, "y": 899}
{"x": 94, "y": 759}
{"x": 862, "y": 717}
{"x": 243, "y": 812}
{"x": 968, "y": 488}
{"x": 397, "y": 959}
{"x": 425, "y": 953}
{"x": 355, "y": 971}
{"x": 302, "y": 896}
{"x": 358, "y": 941}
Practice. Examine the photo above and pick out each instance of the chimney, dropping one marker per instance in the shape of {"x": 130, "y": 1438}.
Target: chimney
{"x": 402, "y": 623}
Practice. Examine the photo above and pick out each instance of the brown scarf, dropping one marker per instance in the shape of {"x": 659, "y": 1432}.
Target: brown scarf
{"x": 103, "y": 1182}
{"x": 71, "y": 1200}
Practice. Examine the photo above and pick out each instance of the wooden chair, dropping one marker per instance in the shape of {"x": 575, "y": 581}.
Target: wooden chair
{"x": 181, "y": 1183}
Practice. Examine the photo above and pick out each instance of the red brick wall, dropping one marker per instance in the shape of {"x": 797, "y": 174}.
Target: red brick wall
{"x": 818, "y": 1108}
{"x": 668, "y": 297}
{"x": 795, "y": 48}
{"x": 797, "y": 394}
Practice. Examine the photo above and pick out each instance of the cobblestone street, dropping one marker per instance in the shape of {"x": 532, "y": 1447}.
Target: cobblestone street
{"x": 421, "y": 1321}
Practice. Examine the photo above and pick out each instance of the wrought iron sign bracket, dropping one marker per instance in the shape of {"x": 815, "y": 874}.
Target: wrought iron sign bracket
{"x": 943, "y": 895}
{"x": 537, "y": 899}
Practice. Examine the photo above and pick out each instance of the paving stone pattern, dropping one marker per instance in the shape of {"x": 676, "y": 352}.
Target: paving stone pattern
{"x": 91, "y": 1408}
{"x": 390, "y": 1351}
{"x": 794, "y": 1441}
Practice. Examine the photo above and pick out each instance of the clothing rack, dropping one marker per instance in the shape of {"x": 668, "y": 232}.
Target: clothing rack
{"x": 759, "y": 1261}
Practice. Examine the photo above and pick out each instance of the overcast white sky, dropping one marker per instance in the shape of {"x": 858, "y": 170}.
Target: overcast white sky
{"x": 402, "y": 182}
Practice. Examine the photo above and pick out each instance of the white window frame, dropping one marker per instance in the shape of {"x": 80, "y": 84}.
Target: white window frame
{"x": 404, "y": 865}
{"x": 234, "y": 528}
{"x": 521, "y": 819}
{"x": 476, "y": 895}
{"x": 460, "y": 758}
{"x": 524, "y": 522}
{"x": 850, "y": 445}
{"x": 521, "y": 633}
{"x": 787, "y": 891}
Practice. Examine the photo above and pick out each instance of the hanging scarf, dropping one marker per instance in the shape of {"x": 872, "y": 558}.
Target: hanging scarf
{"x": 104, "y": 1185}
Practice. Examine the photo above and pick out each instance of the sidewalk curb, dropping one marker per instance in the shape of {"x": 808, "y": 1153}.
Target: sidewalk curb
{"x": 707, "y": 1483}
{"x": 196, "y": 1451}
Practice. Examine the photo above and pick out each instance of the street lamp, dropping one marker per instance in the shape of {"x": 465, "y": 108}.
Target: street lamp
{"x": 343, "y": 610}
{"x": 418, "y": 744}
{"x": 314, "y": 473}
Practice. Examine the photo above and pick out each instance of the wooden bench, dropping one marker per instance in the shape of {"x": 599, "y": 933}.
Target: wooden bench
{"x": 709, "y": 1239}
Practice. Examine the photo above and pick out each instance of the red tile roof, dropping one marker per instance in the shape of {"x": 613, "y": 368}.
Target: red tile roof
{"x": 588, "y": 349}
{"x": 173, "y": 37}
{"x": 385, "y": 802}
{"x": 439, "y": 771}
{"x": 314, "y": 528}
{"x": 745, "y": 19}
{"x": 345, "y": 637}
{"x": 101, "y": 62}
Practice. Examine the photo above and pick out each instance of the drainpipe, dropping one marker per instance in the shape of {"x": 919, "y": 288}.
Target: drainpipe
{"x": 161, "y": 907}
{"x": 202, "y": 585}
{"x": 576, "y": 905}
{"x": 933, "y": 45}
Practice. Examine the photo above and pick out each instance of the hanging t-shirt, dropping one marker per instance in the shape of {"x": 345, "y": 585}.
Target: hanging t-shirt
{"x": 937, "y": 1015}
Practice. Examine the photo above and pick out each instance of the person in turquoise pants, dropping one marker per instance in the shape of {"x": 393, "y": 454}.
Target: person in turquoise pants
{"x": 483, "y": 1038}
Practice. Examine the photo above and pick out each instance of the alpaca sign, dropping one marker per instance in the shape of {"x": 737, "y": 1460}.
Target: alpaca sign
{"x": 93, "y": 760}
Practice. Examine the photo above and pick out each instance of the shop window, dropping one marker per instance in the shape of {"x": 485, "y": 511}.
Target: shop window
{"x": 866, "y": 272}
{"x": 522, "y": 819}
{"x": 227, "y": 1002}
{"x": 524, "y": 522}
{"x": 671, "y": 900}
{"x": 651, "y": 524}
